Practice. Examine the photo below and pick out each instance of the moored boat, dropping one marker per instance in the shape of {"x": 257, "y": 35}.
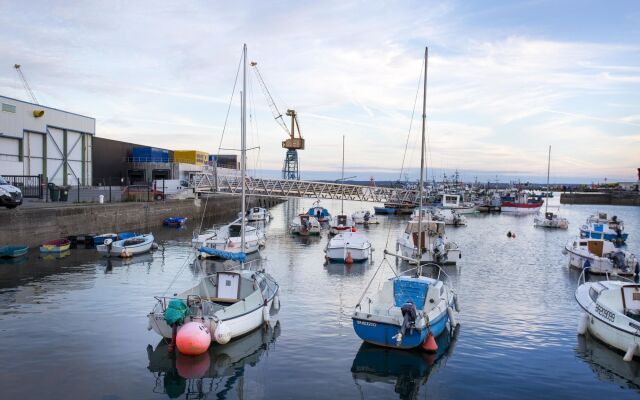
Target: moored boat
{"x": 99, "y": 239}
{"x": 340, "y": 223}
{"x": 348, "y": 247}
{"x": 258, "y": 214}
{"x": 435, "y": 246}
{"x": 127, "y": 247}
{"x": 599, "y": 227}
{"x": 55, "y": 246}
{"x": 305, "y": 225}
{"x": 13, "y": 251}
{"x": 364, "y": 217}
{"x": 521, "y": 203}
{"x": 452, "y": 202}
{"x": 318, "y": 212}
{"x": 550, "y": 220}
{"x": 600, "y": 256}
{"x": 228, "y": 239}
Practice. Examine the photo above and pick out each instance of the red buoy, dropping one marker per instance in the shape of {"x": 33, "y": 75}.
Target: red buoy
{"x": 353, "y": 229}
{"x": 349, "y": 259}
{"x": 430, "y": 344}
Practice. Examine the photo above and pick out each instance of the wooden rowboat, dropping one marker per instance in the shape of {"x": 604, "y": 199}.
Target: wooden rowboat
{"x": 13, "y": 251}
{"x": 55, "y": 246}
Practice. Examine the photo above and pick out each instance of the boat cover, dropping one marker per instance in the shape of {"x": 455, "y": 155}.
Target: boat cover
{"x": 176, "y": 312}
{"x": 227, "y": 255}
{"x": 406, "y": 288}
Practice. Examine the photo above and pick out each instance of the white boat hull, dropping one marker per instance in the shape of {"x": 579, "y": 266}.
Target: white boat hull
{"x": 340, "y": 254}
{"x": 118, "y": 249}
{"x": 451, "y": 255}
{"x": 520, "y": 210}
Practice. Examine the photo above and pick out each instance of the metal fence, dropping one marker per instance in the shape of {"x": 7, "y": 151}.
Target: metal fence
{"x": 29, "y": 185}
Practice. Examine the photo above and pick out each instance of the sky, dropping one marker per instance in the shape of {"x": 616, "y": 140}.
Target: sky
{"x": 506, "y": 80}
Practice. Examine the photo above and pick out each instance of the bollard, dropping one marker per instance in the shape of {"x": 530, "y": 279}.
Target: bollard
{"x": 101, "y": 199}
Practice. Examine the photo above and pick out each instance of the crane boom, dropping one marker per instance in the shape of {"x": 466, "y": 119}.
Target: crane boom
{"x": 277, "y": 115}
{"x": 26, "y": 84}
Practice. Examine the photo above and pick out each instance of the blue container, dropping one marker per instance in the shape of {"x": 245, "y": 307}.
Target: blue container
{"x": 150, "y": 154}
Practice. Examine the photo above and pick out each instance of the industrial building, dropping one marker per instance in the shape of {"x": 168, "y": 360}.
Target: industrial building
{"x": 39, "y": 140}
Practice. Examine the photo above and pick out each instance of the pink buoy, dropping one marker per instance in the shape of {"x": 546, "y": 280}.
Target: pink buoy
{"x": 193, "y": 339}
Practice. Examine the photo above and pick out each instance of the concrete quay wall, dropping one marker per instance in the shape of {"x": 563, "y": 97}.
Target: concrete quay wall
{"x": 33, "y": 226}
{"x": 616, "y": 199}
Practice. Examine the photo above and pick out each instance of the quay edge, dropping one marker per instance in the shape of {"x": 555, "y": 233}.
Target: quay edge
{"x": 34, "y": 225}
{"x": 599, "y": 198}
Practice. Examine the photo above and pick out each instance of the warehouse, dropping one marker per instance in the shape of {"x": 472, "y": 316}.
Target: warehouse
{"x": 38, "y": 140}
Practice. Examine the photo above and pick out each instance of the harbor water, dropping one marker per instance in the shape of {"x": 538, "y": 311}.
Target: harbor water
{"x": 76, "y": 327}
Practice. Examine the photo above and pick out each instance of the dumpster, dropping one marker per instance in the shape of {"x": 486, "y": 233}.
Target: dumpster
{"x": 54, "y": 192}
{"x": 64, "y": 193}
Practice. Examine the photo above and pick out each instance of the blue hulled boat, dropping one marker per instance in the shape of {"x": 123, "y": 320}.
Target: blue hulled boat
{"x": 174, "y": 221}
{"x": 13, "y": 251}
{"x": 600, "y": 227}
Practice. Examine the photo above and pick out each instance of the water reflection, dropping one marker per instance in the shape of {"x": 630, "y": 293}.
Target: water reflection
{"x": 220, "y": 370}
{"x": 141, "y": 260}
{"x": 406, "y": 370}
{"x": 607, "y": 363}
{"x": 334, "y": 268}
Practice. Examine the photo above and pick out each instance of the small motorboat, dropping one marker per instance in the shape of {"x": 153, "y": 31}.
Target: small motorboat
{"x": 340, "y": 223}
{"x": 127, "y": 235}
{"x": 452, "y": 202}
{"x": 13, "y": 251}
{"x": 174, "y": 221}
{"x": 550, "y": 220}
{"x": 305, "y": 225}
{"x": 435, "y": 246}
{"x": 348, "y": 247}
{"x": 127, "y": 247}
{"x": 55, "y": 246}
{"x": 258, "y": 214}
{"x": 521, "y": 203}
{"x": 364, "y": 217}
{"x": 600, "y": 256}
{"x": 320, "y": 213}
{"x": 599, "y": 227}
{"x": 98, "y": 240}
{"x": 448, "y": 216}
{"x": 611, "y": 313}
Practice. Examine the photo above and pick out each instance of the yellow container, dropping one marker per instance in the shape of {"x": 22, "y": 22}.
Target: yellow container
{"x": 190, "y": 157}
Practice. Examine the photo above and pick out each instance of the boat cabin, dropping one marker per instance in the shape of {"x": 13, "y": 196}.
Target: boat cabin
{"x": 595, "y": 247}
{"x": 631, "y": 301}
{"x": 450, "y": 200}
{"x": 422, "y": 291}
{"x": 341, "y": 219}
{"x": 430, "y": 228}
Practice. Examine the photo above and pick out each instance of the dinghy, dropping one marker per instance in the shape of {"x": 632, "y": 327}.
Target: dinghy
{"x": 364, "y": 217}
{"x": 600, "y": 256}
{"x": 126, "y": 247}
{"x": 55, "y": 246}
{"x": 611, "y": 313}
{"x": 305, "y": 225}
{"x": 13, "y": 251}
{"x": 348, "y": 247}
{"x": 258, "y": 214}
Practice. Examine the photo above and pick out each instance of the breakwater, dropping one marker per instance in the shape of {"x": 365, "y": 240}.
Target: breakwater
{"x": 616, "y": 199}
{"x": 35, "y": 225}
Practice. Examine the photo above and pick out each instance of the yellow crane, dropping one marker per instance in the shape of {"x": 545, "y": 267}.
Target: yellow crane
{"x": 290, "y": 169}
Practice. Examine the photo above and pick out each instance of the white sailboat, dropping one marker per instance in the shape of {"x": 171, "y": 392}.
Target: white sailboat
{"x": 407, "y": 312}
{"x": 550, "y": 219}
{"x": 224, "y": 305}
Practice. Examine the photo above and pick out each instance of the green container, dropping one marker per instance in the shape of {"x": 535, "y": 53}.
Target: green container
{"x": 54, "y": 192}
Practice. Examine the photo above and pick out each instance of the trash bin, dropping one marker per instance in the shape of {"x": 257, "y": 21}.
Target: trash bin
{"x": 64, "y": 193}
{"x": 54, "y": 192}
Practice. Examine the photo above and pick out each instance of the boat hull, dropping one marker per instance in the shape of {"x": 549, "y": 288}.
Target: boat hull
{"x": 382, "y": 333}
{"x": 516, "y": 208}
{"x": 452, "y": 255}
{"x": 339, "y": 254}
{"x": 599, "y": 265}
{"x": 118, "y": 248}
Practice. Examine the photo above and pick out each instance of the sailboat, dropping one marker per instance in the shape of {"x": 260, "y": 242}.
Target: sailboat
{"x": 407, "y": 311}
{"x": 550, "y": 219}
{"x": 225, "y": 304}
{"x": 348, "y": 245}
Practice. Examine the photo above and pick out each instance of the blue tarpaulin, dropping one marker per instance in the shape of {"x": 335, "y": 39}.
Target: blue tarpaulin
{"x": 406, "y": 288}
{"x": 227, "y": 255}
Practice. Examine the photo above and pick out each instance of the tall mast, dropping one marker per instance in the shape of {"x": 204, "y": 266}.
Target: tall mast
{"x": 546, "y": 202}
{"x": 243, "y": 144}
{"x": 342, "y": 180}
{"x": 422, "y": 151}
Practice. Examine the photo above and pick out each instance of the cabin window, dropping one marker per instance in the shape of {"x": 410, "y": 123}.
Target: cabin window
{"x": 8, "y": 108}
{"x": 594, "y": 294}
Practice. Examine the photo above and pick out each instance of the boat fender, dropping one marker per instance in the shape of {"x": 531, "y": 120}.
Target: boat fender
{"x": 125, "y": 254}
{"x": 266, "y": 316}
{"x": 456, "y": 305}
{"x": 429, "y": 343}
{"x": 583, "y": 322}
{"x": 348, "y": 259}
{"x": 222, "y": 333}
{"x": 276, "y": 303}
{"x": 452, "y": 317}
{"x": 193, "y": 339}
{"x": 631, "y": 351}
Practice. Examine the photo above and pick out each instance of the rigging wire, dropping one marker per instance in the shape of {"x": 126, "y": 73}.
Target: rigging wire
{"x": 233, "y": 91}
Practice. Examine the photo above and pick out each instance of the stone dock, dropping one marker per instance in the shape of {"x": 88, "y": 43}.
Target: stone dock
{"x": 34, "y": 225}
{"x": 597, "y": 198}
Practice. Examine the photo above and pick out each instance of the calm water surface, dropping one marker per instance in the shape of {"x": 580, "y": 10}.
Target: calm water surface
{"x": 76, "y": 327}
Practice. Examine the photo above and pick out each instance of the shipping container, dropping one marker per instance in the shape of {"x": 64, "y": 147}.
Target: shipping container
{"x": 149, "y": 154}
{"x": 190, "y": 157}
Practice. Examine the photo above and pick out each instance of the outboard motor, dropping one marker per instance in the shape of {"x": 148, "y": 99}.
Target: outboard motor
{"x": 617, "y": 259}
{"x": 409, "y": 315}
{"x": 367, "y": 216}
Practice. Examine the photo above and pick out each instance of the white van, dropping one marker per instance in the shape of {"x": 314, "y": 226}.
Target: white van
{"x": 170, "y": 186}
{"x": 10, "y": 196}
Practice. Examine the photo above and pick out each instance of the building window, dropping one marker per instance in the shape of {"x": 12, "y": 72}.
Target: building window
{"x": 9, "y": 108}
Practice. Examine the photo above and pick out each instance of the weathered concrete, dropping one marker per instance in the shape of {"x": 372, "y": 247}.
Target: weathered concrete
{"x": 614, "y": 198}
{"x": 33, "y": 226}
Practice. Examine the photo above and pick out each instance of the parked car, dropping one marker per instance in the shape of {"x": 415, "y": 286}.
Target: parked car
{"x": 10, "y": 196}
{"x": 141, "y": 193}
{"x": 170, "y": 186}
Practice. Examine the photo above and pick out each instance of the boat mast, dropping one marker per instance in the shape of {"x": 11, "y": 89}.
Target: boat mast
{"x": 342, "y": 180}
{"x": 546, "y": 202}
{"x": 243, "y": 144}
{"x": 422, "y": 151}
